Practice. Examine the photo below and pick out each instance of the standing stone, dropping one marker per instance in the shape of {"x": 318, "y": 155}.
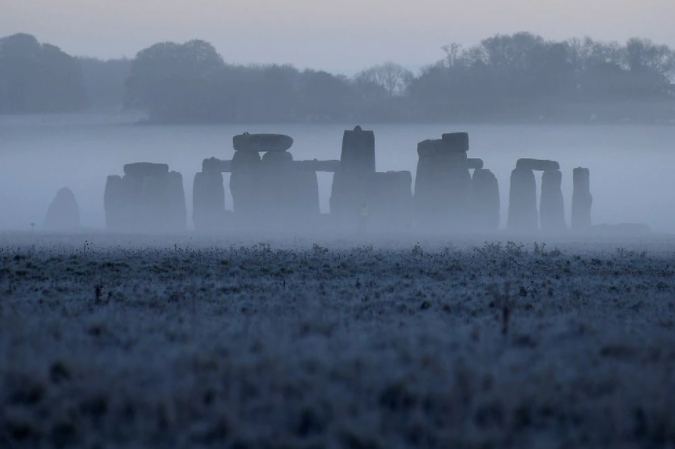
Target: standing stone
{"x": 305, "y": 194}
{"x": 552, "y": 206}
{"x": 114, "y": 203}
{"x": 350, "y": 182}
{"x": 133, "y": 199}
{"x": 63, "y": 213}
{"x": 484, "y": 201}
{"x": 390, "y": 200}
{"x": 582, "y": 200}
{"x": 276, "y": 199}
{"x": 177, "y": 208}
{"x": 442, "y": 183}
{"x": 153, "y": 211}
{"x": 523, "y": 215}
{"x": 208, "y": 201}
{"x": 244, "y": 184}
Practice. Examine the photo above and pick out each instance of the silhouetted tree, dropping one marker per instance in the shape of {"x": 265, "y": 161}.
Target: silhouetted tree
{"x": 104, "y": 82}
{"x": 36, "y": 78}
{"x": 175, "y": 83}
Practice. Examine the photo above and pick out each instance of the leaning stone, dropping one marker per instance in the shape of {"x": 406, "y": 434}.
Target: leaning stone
{"x": 457, "y": 141}
{"x": 523, "y": 215}
{"x": 262, "y": 142}
{"x": 63, "y": 213}
{"x": 537, "y": 164}
{"x": 145, "y": 169}
{"x": 551, "y": 205}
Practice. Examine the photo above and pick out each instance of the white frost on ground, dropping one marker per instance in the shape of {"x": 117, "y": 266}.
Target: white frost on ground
{"x": 111, "y": 341}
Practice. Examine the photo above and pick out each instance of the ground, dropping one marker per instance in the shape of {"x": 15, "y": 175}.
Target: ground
{"x": 188, "y": 342}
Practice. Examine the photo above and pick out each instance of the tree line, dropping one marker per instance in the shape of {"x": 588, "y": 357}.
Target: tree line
{"x": 505, "y": 77}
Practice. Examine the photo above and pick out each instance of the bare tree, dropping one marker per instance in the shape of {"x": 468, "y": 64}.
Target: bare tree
{"x": 390, "y": 78}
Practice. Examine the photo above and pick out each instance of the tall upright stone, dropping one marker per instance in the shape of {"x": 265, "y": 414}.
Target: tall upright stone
{"x": 484, "y": 201}
{"x": 443, "y": 182}
{"x": 63, "y": 213}
{"x": 390, "y": 200}
{"x": 305, "y": 195}
{"x": 523, "y": 215}
{"x": 552, "y": 206}
{"x": 177, "y": 207}
{"x": 245, "y": 184}
{"x": 350, "y": 182}
{"x": 115, "y": 204}
{"x": 275, "y": 187}
{"x": 582, "y": 200}
{"x": 208, "y": 201}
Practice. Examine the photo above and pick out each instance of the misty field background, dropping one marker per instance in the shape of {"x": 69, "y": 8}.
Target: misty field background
{"x": 114, "y": 341}
{"x": 631, "y": 165}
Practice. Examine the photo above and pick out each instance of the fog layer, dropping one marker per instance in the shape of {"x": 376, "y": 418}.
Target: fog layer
{"x": 630, "y": 166}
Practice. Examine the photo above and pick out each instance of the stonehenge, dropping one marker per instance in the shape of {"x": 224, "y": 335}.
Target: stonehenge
{"x": 147, "y": 198}
{"x": 271, "y": 190}
{"x": 582, "y": 200}
{"x": 63, "y": 213}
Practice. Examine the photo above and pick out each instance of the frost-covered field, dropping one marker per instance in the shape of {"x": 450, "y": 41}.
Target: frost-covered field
{"x": 132, "y": 342}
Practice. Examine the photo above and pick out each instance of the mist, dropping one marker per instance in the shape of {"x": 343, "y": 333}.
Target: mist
{"x": 629, "y": 165}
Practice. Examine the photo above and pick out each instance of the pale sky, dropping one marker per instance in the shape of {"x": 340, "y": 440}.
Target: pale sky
{"x": 342, "y": 36}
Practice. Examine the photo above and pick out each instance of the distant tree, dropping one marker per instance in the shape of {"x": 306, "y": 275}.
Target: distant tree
{"x": 176, "y": 83}
{"x": 104, "y": 82}
{"x": 36, "y": 78}
{"x": 323, "y": 96}
{"x": 388, "y": 79}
